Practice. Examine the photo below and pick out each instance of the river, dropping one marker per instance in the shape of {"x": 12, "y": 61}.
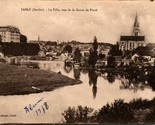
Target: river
{"x": 96, "y": 90}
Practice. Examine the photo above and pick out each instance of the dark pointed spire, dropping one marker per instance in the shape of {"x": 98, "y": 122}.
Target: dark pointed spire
{"x": 136, "y": 30}
{"x": 38, "y": 38}
{"x": 136, "y": 24}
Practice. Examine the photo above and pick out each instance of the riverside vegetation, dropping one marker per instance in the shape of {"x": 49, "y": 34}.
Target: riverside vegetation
{"x": 136, "y": 111}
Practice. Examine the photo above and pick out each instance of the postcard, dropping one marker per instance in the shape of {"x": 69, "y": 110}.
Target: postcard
{"x": 77, "y": 61}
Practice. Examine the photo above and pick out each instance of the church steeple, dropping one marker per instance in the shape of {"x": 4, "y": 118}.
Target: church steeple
{"x": 136, "y": 30}
{"x": 38, "y": 38}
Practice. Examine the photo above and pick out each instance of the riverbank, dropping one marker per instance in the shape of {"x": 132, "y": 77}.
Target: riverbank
{"x": 20, "y": 80}
{"x": 137, "y": 111}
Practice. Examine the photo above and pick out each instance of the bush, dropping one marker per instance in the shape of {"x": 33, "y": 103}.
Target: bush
{"x": 118, "y": 112}
{"x": 151, "y": 116}
{"x": 141, "y": 104}
{"x": 81, "y": 114}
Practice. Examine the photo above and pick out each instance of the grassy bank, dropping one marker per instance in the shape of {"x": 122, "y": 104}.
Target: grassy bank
{"x": 16, "y": 80}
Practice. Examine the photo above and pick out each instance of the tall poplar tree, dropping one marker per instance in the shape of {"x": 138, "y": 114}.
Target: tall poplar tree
{"x": 93, "y": 53}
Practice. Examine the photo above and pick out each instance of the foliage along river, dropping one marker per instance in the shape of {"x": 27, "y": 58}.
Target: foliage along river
{"x": 95, "y": 91}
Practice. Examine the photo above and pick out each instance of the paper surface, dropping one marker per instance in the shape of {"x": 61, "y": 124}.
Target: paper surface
{"x": 64, "y": 21}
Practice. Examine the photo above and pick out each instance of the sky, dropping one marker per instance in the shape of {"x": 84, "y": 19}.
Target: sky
{"x": 112, "y": 19}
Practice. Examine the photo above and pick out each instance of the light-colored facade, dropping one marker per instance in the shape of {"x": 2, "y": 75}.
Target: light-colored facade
{"x": 133, "y": 41}
{"x": 9, "y": 34}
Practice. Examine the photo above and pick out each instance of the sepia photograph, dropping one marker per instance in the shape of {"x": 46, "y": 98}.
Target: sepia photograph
{"x": 77, "y": 62}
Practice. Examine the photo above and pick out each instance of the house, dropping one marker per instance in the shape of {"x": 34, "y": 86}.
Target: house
{"x": 85, "y": 53}
{"x": 104, "y": 51}
{"x": 126, "y": 61}
{"x": 1, "y": 54}
{"x": 151, "y": 47}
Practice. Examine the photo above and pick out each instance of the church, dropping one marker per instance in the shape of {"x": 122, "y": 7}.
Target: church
{"x": 133, "y": 41}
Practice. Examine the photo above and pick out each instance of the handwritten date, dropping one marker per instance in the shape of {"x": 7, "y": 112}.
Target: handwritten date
{"x": 44, "y": 107}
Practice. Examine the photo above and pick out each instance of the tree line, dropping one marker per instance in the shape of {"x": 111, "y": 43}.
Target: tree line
{"x": 19, "y": 49}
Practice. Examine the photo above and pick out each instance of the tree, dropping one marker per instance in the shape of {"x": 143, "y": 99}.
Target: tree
{"x": 68, "y": 48}
{"x": 78, "y": 115}
{"x": 101, "y": 56}
{"x": 93, "y": 53}
{"x": 95, "y": 44}
{"x": 111, "y": 77}
{"x": 114, "y": 50}
{"x": 0, "y": 38}
{"x": 111, "y": 62}
{"x": 23, "y": 38}
{"x": 77, "y": 55}
{"x": 19, "y": 49}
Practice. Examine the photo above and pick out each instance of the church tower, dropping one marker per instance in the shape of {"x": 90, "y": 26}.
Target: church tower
{"x": 131, "y": 42}
{"x": 38, "y": 39}
{"x": 136, "y": 30}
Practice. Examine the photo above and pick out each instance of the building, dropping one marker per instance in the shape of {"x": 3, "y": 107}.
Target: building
{"x": 23, "y": 38}
{"x": 151, "y": 48}
{"x": 81, "y": 45}
{"x": 133, "y": 41}
{"x": 9, "y": 34}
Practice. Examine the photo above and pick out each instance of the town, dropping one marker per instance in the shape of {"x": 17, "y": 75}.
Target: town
{"x": 38, "y": 66}
{"x": 130, "y": 50}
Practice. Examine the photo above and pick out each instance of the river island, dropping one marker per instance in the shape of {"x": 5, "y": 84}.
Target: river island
{"x": 17, "y": 80}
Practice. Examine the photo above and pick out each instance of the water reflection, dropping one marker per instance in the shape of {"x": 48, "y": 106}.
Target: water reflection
{"x": 76, "y": 73}
{"x": 93, "y": 81}
{"x": 111, "y": 77}
{"x": 84, "y": 71}
{"x": 134, "y": 79}
{"x": 131, "y": 78}
{"x": 81, "y": 94}
{"x": 67, "y": 69}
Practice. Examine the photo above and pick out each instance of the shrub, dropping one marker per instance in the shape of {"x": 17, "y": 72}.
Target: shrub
{"x": 118, "y": 112}
{"x": 141, "y": 104}
{"x": 81, "y": 114}
{"x": 151, "y": 116}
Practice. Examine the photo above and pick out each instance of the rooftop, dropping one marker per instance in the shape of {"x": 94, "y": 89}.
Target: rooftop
{"x": 11, "y": 29}
{"x": 132, "y": 38}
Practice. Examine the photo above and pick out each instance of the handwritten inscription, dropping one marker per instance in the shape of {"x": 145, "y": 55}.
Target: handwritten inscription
{"x": 38, "y": 109}
{"x": 42, "y": 109}
{"x": 30, "y": 107}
